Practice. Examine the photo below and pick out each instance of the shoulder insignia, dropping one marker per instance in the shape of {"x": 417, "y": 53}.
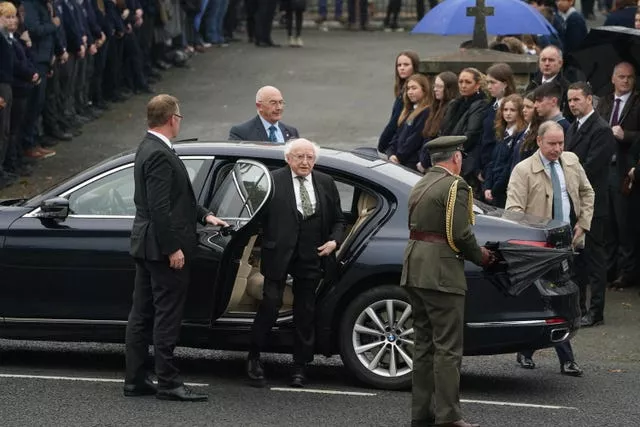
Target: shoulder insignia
{"x": 451, "y": 203}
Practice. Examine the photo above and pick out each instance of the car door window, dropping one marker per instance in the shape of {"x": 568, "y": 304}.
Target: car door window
{"x": 242, "y": 192}
{"x": 111, "y": 193}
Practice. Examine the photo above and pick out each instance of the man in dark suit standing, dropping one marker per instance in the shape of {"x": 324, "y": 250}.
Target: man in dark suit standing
{"x": 266, "y": 126}
{"x": 163, "y": 239}
{"x": 550, "y": 65}
{"x": 621, "y": 108}
{"x": 303, "y": 226}
{"x": 591, "y": 139}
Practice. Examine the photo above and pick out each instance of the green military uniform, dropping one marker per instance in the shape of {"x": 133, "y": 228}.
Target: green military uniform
{"x": 440, "y": 219}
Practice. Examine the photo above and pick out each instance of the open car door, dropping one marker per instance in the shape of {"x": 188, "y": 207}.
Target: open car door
{"x": 239, "y": 200}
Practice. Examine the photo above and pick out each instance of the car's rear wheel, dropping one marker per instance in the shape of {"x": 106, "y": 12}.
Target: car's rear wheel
{"x": 376, "y": 337}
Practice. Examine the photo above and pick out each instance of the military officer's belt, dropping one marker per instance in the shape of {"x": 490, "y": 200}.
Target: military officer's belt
{"x": 425, "y": 236}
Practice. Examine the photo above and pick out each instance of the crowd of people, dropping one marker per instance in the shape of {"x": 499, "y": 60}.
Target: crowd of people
{"x": 502, "y": 130}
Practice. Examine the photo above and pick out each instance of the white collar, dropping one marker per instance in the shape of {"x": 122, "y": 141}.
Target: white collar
{"x": 550, "y": 79}
{"x": 512, "y": 130}
{"x": 622, "y": 98}
{"x": 584, "y": 119}
{"x": 267, "y": 124}
{"x": 546, "y": 162}
{"x": 571, "y": 11}
{"x": 162, "y": 138}
{"x": 295, "y": 176}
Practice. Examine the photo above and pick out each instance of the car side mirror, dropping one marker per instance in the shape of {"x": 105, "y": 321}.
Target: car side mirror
{"x": 56, "y": 208}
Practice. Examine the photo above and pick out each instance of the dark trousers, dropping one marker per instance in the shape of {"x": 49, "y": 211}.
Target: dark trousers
{"x": 13, "y": 158}
{"x": 587, "y": 8}
{"x": 251, "y": 9}
{"x": 80, "y": 83}
{"x": 289, "y": 18}
{"x": 146, "y": 38}
{"x": 563, "y": 350}
{"x": 36, "y": 104}
{"x": 264, "y": 20}
{"x": 363, "y": 9}
{"x": 53, "y": 113}
{"x": 619, "y": 245}
{"x": 6, "y": 93}
{"x": 438, "y": 322}
{"x": 420, "y": 7}
{"x": 230, "y": 19}
{"x": 113, "y": 68}
{"x": 592, "y": 270}
{"x": 304, "y": 302}
{"x": 159, "y": 296}
{"x": 95, "y": 90}
{"x": 133, "y": 74}
{"x": 393, "y": 9}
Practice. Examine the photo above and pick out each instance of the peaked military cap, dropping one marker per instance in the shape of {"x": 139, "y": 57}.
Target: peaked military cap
{"x": 445, "y": 144}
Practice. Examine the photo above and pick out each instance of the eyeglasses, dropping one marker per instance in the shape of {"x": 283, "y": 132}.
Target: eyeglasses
{"x": 301, "y": 157}
{"x": 275, "y": 103}
{"x": 178, "y": 115}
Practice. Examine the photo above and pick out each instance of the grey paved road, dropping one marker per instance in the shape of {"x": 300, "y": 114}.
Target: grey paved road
{"x": 338, "y": 90}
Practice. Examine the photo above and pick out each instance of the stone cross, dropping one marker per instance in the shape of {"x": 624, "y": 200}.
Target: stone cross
{"x": 480, "y": 11}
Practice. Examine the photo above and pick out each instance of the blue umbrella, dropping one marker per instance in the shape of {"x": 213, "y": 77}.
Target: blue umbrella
{"x": 510, "y": 17}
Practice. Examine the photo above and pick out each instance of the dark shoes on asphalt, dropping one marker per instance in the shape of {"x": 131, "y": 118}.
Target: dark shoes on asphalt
{"x": 298, "y": 379}
{"x": 525, "y": 362}
{"x": 181, "y": 394}
{"x": 147, "y": 388}
{"x": 255, "y": 372}
{"x": 571, "y": 369}
{"x": 588, "y": 321}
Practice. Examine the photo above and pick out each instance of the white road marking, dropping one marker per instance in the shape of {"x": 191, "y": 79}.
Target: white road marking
{"x": 85, "y": 379}
{"x": 521, "y": 405}
{"x": 320, "y": 391}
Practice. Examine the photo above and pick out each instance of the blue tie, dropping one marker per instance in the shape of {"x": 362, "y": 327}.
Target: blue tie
{"x": 272, "y": 134}
{"x": 557, "y": 193}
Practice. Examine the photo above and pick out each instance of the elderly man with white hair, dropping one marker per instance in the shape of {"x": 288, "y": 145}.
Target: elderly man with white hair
{"x": 266, "y": 126}
{"x": 302, "y": 228}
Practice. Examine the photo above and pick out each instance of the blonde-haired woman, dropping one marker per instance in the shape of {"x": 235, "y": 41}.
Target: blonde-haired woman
{"x": 406, "y": 144}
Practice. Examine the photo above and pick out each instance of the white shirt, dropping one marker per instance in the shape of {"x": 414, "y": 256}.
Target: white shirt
{"x": 267, "y": 125}
{"x": 550, "y": 79}
{"x": 162, "y": 137}
{"x": 308, "y": 184}
{"x": 584, "y": 119}
{"x": 623, "y": 100}
{"x": 566, "y": 204}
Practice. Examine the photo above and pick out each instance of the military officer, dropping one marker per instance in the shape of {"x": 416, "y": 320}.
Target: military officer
{"x": 440, "y": 219}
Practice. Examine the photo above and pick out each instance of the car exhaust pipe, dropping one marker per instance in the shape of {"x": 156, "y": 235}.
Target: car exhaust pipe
{"x": 559, "y": 334}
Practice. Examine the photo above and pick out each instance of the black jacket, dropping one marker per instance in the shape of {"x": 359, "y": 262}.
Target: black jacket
{"x": 7, "y": 58}
{"x": 594, "y": 144}
{"x": 629, "y": 121}
{"x": 392, "y": 126}
{"x": 407, "y": 141}
{"x": 23, "y": 70}
{"x": 280, "y": 238}
{"x": 166, "y": 207}
{"x": 253, "y": 130}
{"x": 41, "y": 30}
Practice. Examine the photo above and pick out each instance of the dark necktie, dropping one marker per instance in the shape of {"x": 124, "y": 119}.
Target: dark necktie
{"x": 305, "y": 200}
{"x": 272, "y": 134}
{"x": 557, "y": 192}
{"x": 616, "y": 113}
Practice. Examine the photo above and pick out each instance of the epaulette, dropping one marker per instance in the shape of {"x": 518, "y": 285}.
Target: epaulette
{"x": 451, "y": 203}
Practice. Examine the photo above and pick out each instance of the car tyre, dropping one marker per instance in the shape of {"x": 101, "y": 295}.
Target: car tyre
{"x": 376, "y": 338}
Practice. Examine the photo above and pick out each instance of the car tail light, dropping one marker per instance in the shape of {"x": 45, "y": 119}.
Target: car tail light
{"x": 531, "y": 243}
{"x": 555, "y": 321}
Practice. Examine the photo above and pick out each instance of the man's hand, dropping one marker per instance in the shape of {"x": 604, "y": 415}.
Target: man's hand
{"x": 3, "y": 103}
{"x": 82, "y": 51}
{"x": 56, "y": 21}
{"x": 327, "y": 248}
{"x": 488, "y": 257}
{"x": 125, "y": 14}
{"x": 176, "y": 260}
{"x": 420, "y": 167}
{"x": 618, "y": 132}
{"x": 488, "y": 196}
{"x": 64, "y": 57}
{"x": 93, "y": 49}
{"x": 35, "y": 78}
{"x": 210, "y": 219}
{"x": 394, "y": 159}
{"x": 578, "y": 232}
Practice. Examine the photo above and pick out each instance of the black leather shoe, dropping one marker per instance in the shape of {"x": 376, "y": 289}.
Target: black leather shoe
{"x": 525, "y": 362}
{"x": 255, "y": 372}
{"x": 298, "y": 378}
{"x": 571, "y": 368}
{"x": 147, "y": 388}
{"x": 182, "y": 394}
{"x": 272, "y": 44}
{"x": 61, "y": 136}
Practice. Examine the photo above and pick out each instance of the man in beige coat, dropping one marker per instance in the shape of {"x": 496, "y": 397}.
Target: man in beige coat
{"x": 552, "y": 184}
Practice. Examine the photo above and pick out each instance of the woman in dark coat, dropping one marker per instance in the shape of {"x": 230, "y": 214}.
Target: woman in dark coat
{"x": 406, "y": 65}
{"x": 445, "y": 90}
{"x": 406, "y": 144}
{"x": 509, "y": 125}
{"x": 464, "y": 117}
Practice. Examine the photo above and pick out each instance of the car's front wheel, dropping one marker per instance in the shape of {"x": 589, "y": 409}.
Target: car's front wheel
{"x": 376, "y": 337}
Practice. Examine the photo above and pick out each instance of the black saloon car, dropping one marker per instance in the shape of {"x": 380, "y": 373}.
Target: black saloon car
{"x": 67, "y": 274}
